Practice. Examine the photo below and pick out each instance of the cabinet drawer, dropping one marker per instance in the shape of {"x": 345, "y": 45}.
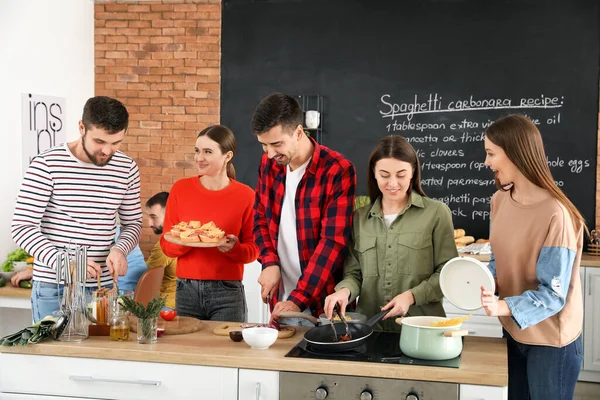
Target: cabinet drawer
{"x": 110, "y": 379}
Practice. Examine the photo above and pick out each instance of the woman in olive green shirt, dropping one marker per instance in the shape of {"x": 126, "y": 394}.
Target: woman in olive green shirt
{"x": 399, "y": 243}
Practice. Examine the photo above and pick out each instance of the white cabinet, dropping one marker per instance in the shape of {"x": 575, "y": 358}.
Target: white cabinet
{"x": 480, "y": 324}
{"x": 591, "y": 335}
{"x": 258, "y": 385}
{"x": 475, "y": 392}
{"x": 111, "y": 379}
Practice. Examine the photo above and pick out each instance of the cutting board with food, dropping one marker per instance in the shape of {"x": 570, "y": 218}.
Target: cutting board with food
{"x": 178, "y": 326}
{"x": 226, "y": 327}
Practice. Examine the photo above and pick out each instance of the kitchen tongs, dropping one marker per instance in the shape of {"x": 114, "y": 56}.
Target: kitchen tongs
{"x": 339, "y": 312}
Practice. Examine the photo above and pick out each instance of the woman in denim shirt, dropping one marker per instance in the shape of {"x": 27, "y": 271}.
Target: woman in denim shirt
{"x": 537, "y": 237}
{"x": 399, "y": 243}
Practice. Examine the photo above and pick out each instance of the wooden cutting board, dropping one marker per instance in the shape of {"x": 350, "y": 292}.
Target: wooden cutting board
{"x": 178, "y": 326}
{"x": 226, "y": 327}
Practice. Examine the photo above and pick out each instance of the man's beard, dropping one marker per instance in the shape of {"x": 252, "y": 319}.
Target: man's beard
{"x": 158, "y": 230}
{"x": 285, "y": 162}
{"x": 93, "y": 157}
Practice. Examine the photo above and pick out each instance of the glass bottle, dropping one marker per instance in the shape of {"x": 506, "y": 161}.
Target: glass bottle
{"x": 119, "y": 324}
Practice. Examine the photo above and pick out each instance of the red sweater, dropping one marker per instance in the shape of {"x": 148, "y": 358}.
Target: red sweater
{"x": 231, "y": 209}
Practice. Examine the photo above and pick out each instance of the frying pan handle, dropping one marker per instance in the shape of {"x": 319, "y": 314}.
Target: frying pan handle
{"x": 376, "y": 318}
{"x": 462, "y": 332}
{"x": 297, "y": 314}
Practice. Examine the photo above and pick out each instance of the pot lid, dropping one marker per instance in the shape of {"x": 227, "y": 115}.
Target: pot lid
{"x": 461, "y": 280}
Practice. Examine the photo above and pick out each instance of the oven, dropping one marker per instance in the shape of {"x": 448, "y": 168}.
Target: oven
{"x": 305, "y": 386}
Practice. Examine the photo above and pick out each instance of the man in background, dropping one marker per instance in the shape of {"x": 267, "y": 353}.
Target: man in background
{"x": 155, "y": 214}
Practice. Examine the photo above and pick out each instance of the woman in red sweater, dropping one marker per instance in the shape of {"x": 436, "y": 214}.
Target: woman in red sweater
{"x": 209, "y": 280}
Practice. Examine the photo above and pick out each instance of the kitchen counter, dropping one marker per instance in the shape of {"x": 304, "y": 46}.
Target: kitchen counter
{"x": 483, "y": 360}
{"x": 10, "y": 291}
{"x": 587, "y": 259}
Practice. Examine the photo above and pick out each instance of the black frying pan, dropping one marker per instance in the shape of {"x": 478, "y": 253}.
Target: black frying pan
{"x": 321, "y": 337}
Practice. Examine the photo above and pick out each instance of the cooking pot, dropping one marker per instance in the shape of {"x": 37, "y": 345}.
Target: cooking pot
{"x": 421, "y": 340}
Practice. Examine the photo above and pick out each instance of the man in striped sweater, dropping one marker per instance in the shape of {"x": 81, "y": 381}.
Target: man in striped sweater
{"x": 71, "y": 194}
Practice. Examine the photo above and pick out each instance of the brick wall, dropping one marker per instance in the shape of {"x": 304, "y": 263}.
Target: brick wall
{"x": 162, "y": 60}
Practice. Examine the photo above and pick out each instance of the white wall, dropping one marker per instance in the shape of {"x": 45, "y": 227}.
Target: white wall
{"x": 47, "y": 48}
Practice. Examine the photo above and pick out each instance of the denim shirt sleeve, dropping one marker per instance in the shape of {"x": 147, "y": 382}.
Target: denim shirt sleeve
{"x": 492, "y": 265}
{"x": 553, "y": 269}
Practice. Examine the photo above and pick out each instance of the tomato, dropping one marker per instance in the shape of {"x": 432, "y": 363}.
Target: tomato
{"x": 168, "y": 315}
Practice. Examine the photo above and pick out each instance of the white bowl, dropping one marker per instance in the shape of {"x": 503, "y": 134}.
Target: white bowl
{"x": 7, "y": 275}
{"x": 259, "y": 338}
{"x": 19, "y": 265}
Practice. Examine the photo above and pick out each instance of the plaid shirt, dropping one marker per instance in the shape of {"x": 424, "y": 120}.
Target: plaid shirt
{"x": 324, "y": 205}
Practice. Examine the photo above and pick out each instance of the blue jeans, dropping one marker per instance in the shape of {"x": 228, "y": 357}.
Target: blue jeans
{"x": 542, "y": 372}
{"x": 45, "y": 299}
{"x": 211, "y": 300}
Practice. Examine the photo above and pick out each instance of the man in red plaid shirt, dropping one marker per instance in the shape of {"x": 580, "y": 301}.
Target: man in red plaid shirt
{"x": 304, "y": 203}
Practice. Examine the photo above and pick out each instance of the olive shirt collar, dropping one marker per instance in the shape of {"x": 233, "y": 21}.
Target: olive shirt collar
{"x": 415, "y": 199}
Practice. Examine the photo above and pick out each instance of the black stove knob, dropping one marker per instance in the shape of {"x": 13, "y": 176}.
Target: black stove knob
{"x": 321, "y": 393}
{"x": 412, "y": 396}
{"x": 366, "y": 395}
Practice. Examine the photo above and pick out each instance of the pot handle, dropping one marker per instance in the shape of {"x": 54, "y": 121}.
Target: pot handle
{"x": 462, "y": 332}
{"x": 399, "y": 320}
{"x": 297, "y": 314}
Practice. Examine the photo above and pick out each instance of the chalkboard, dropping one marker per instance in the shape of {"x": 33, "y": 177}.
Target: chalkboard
{"x": 436, "y": 72}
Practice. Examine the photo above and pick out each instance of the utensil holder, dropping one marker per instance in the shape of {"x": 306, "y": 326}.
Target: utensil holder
{"x": 594, "y": 249}
{"x": 73, "y": 264}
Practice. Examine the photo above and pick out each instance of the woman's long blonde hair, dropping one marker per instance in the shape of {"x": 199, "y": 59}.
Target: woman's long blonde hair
{"x": 522, "y": 142}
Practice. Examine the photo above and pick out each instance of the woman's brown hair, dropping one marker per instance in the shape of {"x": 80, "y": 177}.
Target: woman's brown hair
{"x": 522, "y": 142}
{"x": 394, "y": 147}
{"x": 226, "y": 140}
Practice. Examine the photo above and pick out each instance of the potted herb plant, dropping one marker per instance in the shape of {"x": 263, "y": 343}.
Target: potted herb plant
{"x": 147, "y": 317}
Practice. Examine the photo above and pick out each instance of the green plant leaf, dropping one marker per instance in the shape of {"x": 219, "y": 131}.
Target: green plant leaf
{"x": 152, "y": 310}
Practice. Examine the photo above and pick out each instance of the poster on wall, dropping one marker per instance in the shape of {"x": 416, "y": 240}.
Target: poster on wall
{"x": 42, "y": 124}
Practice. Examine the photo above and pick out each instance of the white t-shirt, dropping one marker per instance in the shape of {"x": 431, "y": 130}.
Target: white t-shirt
{"x": 287, "y": 244}
{"x": 388, "y": 219}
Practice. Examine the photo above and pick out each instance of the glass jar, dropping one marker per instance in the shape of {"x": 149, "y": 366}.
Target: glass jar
{"x": 119, "y": 326}
{"x": 146, "y": 330}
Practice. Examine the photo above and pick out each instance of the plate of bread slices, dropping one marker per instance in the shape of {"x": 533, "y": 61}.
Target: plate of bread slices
{"x": 196, "y": 234}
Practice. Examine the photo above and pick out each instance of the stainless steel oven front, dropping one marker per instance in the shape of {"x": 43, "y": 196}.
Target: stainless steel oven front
{"x": 305, "y": 386}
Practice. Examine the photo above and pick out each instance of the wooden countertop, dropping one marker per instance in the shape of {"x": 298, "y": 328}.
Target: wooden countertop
{"x": 10, "y": 291}
{"x": 587, "y": 260}
{"x": 483, "y": 360}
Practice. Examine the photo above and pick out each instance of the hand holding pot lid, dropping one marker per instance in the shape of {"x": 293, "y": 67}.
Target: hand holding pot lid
{"x": 461, "y": 280}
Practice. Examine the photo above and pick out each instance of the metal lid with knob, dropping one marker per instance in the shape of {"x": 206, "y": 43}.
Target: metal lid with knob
{"x": 366, "y": 395}
{"x": 412, "y": 396}
{"x": 321, "y": 393}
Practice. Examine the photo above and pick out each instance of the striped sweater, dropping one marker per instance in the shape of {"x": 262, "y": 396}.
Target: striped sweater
{"x": 64, "y": 200}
